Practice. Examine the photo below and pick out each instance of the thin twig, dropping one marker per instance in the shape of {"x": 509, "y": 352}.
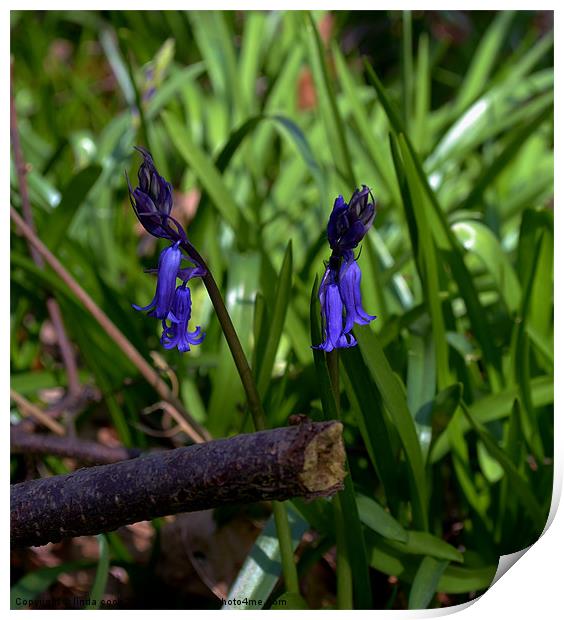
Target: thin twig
{"x": 69, "y": 361}
{"x": 28, "y": 409}
{"x": 175, "y": 415}
{"x": 107, "y": 325}
{"x": 297, "y": 461}
{"x": 52, "y": 305}
{"x": 89, "y": 452}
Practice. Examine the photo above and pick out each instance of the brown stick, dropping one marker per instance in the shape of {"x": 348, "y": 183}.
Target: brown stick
{"x": 89, "y": 452}
{"x": 305, "y": 460}
{"x": 30, "y": 410}
{"x": 52, "y": 305}
{"x": 129, "y": 350}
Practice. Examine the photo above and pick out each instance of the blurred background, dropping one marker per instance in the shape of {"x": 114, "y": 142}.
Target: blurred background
{"x": 259, "y": 120}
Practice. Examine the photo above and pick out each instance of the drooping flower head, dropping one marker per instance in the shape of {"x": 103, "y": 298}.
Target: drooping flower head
{"x": 177, "y": 335}
{"x": 332, "y": 315}
{"x": 339, "y": 292}
{"x": 167, "y": 272}
{"x": 152, "y": 203}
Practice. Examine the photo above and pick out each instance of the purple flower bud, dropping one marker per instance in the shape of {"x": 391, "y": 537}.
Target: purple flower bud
{"x": 348, "y": 223}
{"x": 177, "y": 335}
{"x": 152, "y": 201}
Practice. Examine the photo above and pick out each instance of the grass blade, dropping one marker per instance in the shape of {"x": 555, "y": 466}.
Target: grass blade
{"x": 262, "y": 568}
{"x": 426, "y": 582}
{"x": 280, "y": 306}
{"x": 102, "y": 572}
{"x": 395, "y": 401}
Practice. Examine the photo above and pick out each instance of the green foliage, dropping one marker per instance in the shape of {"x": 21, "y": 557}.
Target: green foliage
{"x": 447, "y": 401}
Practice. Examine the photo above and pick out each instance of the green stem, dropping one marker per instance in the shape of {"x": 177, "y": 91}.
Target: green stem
{"x": 259, "y": 418}
{"x": 286, "y": 547}
{"x": 333, "y": 368}
{"x": 239, "y": 357}
{"x": 344, "y": 575}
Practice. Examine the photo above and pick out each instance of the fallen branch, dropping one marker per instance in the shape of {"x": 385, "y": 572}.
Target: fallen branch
{"x": 89, "y": 452}
{"x": 305, "y": 460}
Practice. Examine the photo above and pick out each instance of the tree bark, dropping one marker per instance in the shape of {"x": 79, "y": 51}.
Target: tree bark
{"x": 305, "y": 460}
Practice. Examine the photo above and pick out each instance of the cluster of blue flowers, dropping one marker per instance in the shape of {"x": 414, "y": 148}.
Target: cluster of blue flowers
{"x": 339, "y": 292}
{"x": 171, "y": 304}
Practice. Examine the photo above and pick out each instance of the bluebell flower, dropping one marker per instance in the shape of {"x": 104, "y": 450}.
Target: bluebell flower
{"x": 167, "y": 272}
{"x": 152, "y": 203}
{"x": 332, "y": 315}
{"x": 177, "y": 334}
{"x": 349, "y": 288}
{"x": 339, "y": 292}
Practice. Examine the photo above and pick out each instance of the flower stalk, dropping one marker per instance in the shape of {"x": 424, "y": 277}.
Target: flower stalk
{"x": 152, "y": 202}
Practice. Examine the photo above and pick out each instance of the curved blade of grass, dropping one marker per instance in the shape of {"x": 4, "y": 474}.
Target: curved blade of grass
{"x": 395, "y": 400}
{"x": 516, "y": 140}
{"x": 358, "y": 558}
{"x": 376, "y": 148}
{"x": 426, "y": 256}
{"x": 519, "y": 484}
{"x": 521, "y": 361}
{"x": 214, "y": 38}
{"x": 423, "y": 543}
{"x": 111, "y": 49}
{"x": 262, "y": 568}
{"x": 332, "y": 120}
{"x": 458, "y": 579}
{"x": 445, "y": 240}
{"x": 483, "y": 61}
{"x": 501, "y": 107}
{"x": 303, "y": 147}
{"x": 102, "y": 572}
{"x": 379, "y": 520}
{"x": 171, "y": 87}
{"x": 205, "y": 170}
{"x": 496, "y": 407}
{"x": 252, "y": 45}
{"x": 421, "y": 382}
{"x": 478, "y": 239}
{"x": 420, "y": 129}
{"x": 367, "y": 403}
{"x": 463, "y": 470}
{"x": 538, "y": 227}
{"x": 425, "y": 582}
{"x": 455, "y": 579}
